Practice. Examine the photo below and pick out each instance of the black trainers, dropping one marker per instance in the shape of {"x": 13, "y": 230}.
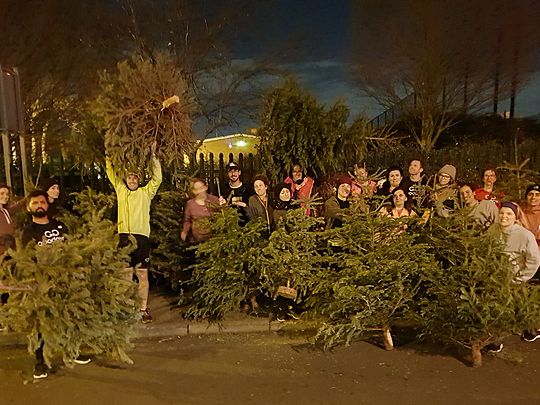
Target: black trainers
{"x": 82, "y": 360}
{"x": 528, "y": 336}
{"x": 145, "y": 316}
{"x": 494, "y": 347}
{"x": 40, "y": 371}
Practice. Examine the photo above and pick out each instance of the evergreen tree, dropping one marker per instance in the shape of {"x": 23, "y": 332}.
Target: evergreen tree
{"x": 228, "y": 266}
{"x": 74, "y": 296}
{"x": 142, "y": 102}
{"x": 472, "y": 297}
{"x": 294, "y": 255}
{"x": 296, "y": 128}
{"x": 169, "y": 257}
{"x": 378, "y": 272}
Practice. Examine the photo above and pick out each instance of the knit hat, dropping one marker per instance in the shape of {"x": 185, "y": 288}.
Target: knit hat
{"x": 281, "y": 186}
{"x": 343, "y": 179}
{"x": 449, "y": 170}
{"x": 535, "y": 187}
{"x": 512, "y": 206}
{"x": 48, "y": 183}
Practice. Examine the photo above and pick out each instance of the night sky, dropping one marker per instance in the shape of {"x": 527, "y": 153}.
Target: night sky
{"x": 316, "y": 32}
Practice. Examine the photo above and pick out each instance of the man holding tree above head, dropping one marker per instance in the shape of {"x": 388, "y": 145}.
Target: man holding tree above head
{"x": 134, "y": 219}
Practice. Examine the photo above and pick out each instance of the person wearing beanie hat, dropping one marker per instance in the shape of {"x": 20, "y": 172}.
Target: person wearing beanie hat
{"x": 335, "y": 206}
{"x": 445, "y": 195}
{"x": 52, "y": 188}
{"x": 520, "y": 246}
{"x": 530, "y": 217}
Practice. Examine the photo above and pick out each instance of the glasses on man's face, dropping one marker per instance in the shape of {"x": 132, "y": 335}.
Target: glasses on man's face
{"x": 444, "y": 176}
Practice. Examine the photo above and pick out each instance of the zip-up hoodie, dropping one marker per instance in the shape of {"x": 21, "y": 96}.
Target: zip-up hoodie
{"x": 134, "y": 206}
{"x": 521, "y": 248}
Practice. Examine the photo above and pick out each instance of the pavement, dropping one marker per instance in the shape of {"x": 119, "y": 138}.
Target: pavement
{"x": 169, "y": 323}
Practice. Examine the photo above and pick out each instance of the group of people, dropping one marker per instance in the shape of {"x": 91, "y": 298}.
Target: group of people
{"x": 396, "y": 196}
{"x": 518, "y": 225}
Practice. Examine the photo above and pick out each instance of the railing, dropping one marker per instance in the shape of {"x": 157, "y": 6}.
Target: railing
{"x": 391, "y": 115}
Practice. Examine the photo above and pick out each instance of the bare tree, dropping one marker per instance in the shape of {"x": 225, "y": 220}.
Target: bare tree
{"x": 436, "y": 60}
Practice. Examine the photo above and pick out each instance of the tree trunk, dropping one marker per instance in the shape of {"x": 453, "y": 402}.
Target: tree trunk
{"x": 387, "y": 338}
{"x": 476, "y": 354}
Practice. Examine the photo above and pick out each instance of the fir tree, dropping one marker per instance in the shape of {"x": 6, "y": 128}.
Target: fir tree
{"x": 142, "y": 102}
{"x": 169, "y": 257}
{"x": 74, "y": 296}
{"x": 228, "y": 266}
{"x": 472, "y": 297}
{"x": 377, "y": 274}
{"x": 294, "y": 254}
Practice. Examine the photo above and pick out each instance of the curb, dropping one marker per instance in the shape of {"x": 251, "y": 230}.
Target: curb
{"x": 166, "y": 330}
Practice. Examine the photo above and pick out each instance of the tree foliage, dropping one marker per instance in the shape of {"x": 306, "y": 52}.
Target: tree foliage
{"x": 472, "y": 297}
{"x": 74, "y": 296}
{"x": 377, "y": 274}
{"x": 227, "y": 269}
{"x": 296, "y": 128}
{"x": 445, "y": 279}
{"x": 143, "y": 102}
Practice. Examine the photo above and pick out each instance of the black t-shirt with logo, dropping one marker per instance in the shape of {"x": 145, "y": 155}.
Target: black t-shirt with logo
{"x": 238, "y": 194}
{"x": 44, "y": 233}
{"x": 412, "y": 189}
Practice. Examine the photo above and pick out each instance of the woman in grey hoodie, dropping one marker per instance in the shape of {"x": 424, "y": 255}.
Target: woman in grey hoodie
{"x": 520, "y": 246}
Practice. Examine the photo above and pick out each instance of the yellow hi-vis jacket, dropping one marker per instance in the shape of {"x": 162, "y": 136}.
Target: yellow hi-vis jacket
{"x": 134, "y": 206}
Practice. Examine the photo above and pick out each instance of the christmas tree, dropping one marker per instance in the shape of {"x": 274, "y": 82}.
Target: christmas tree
{"x": 472, "y": 298}
{"x": 377, "y": 272}
{"x": 73, "y": 296}
{"x": 227, "y": 270}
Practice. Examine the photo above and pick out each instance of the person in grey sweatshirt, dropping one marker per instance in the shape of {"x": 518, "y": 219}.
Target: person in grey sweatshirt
{"x": 520, "y": 245}
{"x": 483, "y": 212}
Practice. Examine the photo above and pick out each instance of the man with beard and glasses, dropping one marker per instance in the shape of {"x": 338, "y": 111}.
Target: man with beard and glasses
{"x": 44, "y": 230}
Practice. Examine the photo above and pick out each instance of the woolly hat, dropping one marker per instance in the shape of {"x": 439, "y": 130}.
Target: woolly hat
{"x": 48, "y": 183}
{"x": 535, "y": 187}
{"x": 343, "y": 179}
{"x": 281, "y": 186}
{"x": 449, "y": 170}
{"x": 512, "y": 206}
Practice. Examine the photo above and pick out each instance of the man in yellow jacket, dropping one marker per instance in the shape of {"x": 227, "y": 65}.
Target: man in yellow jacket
{"x": 134, "y": 219}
